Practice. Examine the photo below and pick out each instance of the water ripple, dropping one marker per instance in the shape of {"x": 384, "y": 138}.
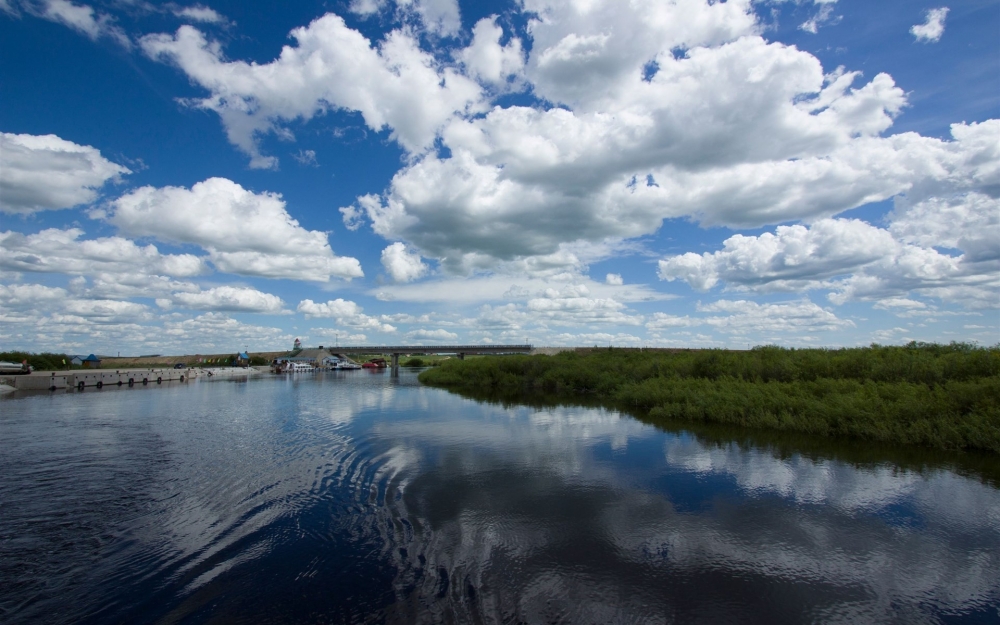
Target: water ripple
{"x": 359, "y": 498}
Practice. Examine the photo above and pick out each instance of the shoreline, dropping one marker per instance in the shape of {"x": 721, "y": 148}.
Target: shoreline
{"x": 944, "y": 397}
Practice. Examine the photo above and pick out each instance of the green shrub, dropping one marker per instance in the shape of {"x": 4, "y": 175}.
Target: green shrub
{"x": 945, "y": 396}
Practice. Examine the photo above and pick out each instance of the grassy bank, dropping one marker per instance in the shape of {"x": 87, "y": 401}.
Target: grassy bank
{"x": 942, "y": 396}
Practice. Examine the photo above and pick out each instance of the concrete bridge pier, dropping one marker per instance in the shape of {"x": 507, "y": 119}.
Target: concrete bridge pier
{"x": 395, "y": 364}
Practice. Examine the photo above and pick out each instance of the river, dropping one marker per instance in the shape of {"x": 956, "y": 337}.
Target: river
{"x": 359, "y": 497}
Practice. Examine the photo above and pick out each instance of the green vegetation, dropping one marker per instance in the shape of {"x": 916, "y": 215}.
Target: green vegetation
{"x": 943, "y": 396}
{"x": 424, "y": 361}
{"x": 40, "y": 362}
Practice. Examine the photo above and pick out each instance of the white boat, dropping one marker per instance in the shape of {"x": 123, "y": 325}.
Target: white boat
{"x": 347, "y": 365}
{"x": 301, "y": 367}
{"x": 14, "y": 368}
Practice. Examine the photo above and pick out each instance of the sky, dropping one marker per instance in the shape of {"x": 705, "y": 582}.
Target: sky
{"x": 204, "y": 178}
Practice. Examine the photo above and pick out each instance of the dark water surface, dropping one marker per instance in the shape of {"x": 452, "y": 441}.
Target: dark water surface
{"x": 356, "y": 497}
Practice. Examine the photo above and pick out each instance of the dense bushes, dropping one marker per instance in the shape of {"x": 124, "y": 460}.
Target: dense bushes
{"x": 945, "y": 396}
{"x": 40, "y": 362}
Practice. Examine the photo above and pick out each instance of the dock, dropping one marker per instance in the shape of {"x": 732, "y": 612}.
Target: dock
{"x": 98, "y": 378}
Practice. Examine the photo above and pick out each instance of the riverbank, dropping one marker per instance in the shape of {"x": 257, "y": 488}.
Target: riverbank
{"x": 946, "y": 397}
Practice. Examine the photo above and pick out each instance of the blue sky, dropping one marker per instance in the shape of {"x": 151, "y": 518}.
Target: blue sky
{"x": 180, "y": 178}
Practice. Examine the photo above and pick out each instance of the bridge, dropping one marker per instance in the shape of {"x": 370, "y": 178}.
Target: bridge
{"x": 460, "y": 350}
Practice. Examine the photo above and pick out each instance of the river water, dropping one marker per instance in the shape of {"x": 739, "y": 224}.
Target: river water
{"x": 359, "y": 497}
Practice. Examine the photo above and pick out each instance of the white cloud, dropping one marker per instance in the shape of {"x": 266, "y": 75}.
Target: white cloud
{"x": 439, "y": 335}
{"x": 589, "y": 54}
{"x": 26, "y": 302}
{"x": 786, "y": 322}
{"x": 969, "y": 222}
{"x": 230, "y": 299}
{"x": 200, "y": 13}
{"x": 306, "y": 157}
{"x": 491, "y": 63}
{"x": 402, "y": 265}
{"x": 46, "y": 172}
{"x": 855, "y": 260}
{"x": 61, "y": 251}
{"x": 571, "y": 305}
{"x": 932, "y": 29}
{"x": 663, "y": 321}
{"x": 645, "y": 112}
{"x": 439, "y": 16}
{"x": 337, "y": 338}
{"x": 746, "y": 317}
{"x": 216, "y": 332}
{"x": 245, "y": 233}
{"x": 521, "y": 181}
{"x": 824, "y": 15}
{"x": 614, "y": 279}
{"x": 346, "y": 313}
{"x": 500, "y": 288}
{"x": 791, "y": 258}
{"x": 80, "y": 17}
{"x": 597, "y": 338}
{"x": 394, "y": 85}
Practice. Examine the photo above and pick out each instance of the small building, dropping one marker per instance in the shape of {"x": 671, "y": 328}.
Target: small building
{"x": 91, "y": 362}
{"x": 242, "y": 359}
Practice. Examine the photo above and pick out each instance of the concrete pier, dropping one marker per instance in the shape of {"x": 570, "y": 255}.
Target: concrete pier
{"x": 96, "y": 378}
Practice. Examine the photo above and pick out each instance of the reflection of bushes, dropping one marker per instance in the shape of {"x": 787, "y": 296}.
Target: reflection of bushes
{"x": 945, "y": 396}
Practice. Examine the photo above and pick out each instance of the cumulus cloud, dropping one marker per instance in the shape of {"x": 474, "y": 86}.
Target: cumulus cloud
{"x": 395, "y": 85}
{"x": 230, "y": 299}
{"x": 23, "y": 302}
{"x": 485, "y": 59}
{"x": 440, "y": 17}
{"x": 61, "y": 251}
{"x": 855, "y": 260}
{"x": 402, "y": 265}
{"x": 792, "y": 257}
{"x": 244, "y": 233}
{"x": 345, "y": 312}
{"x": 46, "y": 172}
{"x": 522, "y": 181}
{"x": 643, "y": 113}
{"x": 932, "y": 28}
{"x": 614, "y": 279}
